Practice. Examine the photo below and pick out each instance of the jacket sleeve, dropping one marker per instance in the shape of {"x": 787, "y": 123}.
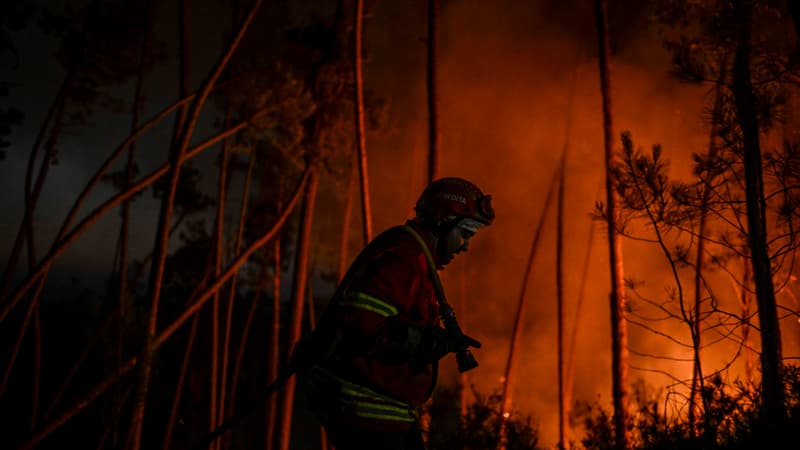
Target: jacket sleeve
{"x": 386, "y": 311}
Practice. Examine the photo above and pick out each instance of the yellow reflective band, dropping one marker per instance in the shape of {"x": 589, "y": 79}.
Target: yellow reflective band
{"x": 363, "y": 393}
{"x": 378, "y": 411}
{"x": 370, "y": 303}
{"x": 371, "y": 415}
{"x": 362, "y": 401}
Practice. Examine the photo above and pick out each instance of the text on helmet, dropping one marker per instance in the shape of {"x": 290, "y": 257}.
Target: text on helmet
{"x": 452, "y": 197}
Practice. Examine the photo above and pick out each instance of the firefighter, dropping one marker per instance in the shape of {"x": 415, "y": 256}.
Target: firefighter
{"x": 378, "y": 344}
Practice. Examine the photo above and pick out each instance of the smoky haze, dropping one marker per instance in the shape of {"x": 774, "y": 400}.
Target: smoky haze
{"x": 506, "y": 72}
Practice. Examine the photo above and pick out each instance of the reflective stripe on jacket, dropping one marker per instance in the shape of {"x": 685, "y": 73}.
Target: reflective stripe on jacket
{"x": 369, "y": 303}
{"x": 344, "y": 397}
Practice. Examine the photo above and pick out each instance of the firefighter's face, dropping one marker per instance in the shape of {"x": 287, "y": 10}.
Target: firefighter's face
{"x": 454, "y": 241}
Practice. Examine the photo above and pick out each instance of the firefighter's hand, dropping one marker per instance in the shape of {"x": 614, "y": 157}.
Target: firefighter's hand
{"x": 471, "y": 342}
{"x": 444, "y": 342}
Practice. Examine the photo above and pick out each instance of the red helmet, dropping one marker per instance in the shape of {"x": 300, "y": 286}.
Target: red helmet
{"x": 446, "y": 198}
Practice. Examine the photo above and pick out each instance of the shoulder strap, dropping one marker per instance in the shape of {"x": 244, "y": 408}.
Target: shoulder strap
{"x": 438, "y": 289}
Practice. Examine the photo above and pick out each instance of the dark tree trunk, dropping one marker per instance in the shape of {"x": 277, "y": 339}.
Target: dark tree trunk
{"x": 695, "y": 397}
{"x": 505, "y": 399}
{"x": 562, "y": 407}
{"x": 794, "y": 12}
{"x": 138, "y": 101}
{"x": 771, "y": 354}
{"x": 747, "y": 300}
{"x": 299, "y": 284}
{"x": 347, "y": 211}
{"x": 273, "y": 358}
{"x": 54, "y": 113}
{"x": 214, "y": 406}
{"x": 619, "y": 329}
{"x": 183, "y": 66}
{"x": 366, "y": 213}
{"x": 433, "y": 101}
{"x": 178, "y": 393}
{"x": 26, "y": 232}
{"x": 226, "y": 342}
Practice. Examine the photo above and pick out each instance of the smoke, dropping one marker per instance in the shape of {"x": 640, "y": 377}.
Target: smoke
{"x": 506, "y": 73}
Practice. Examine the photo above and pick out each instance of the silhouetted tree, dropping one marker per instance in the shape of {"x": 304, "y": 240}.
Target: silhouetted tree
{"x": 509, "y": 375}
{"x": 431, "y": 84}
{"x": 619, "y": 333}
{"x": 162, "y": 236}
{"x": 740, "y": 38}
{"x": 358, "y": 84}
{"x": 14, "y": 15}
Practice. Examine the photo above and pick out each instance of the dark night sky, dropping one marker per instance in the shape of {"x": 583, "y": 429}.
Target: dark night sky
{"x": 83, "y": 149}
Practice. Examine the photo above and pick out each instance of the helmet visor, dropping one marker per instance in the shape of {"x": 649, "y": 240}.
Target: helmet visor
{"x": 470, "y": 225}
{"x": 485, "y": 209}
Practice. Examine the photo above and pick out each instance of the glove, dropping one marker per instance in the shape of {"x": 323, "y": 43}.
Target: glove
{"x": 422, "y": 344}
{"x": 438, "y": 342}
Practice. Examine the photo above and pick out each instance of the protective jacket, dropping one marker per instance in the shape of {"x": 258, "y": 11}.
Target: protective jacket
{"x": 365, "y": 379}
